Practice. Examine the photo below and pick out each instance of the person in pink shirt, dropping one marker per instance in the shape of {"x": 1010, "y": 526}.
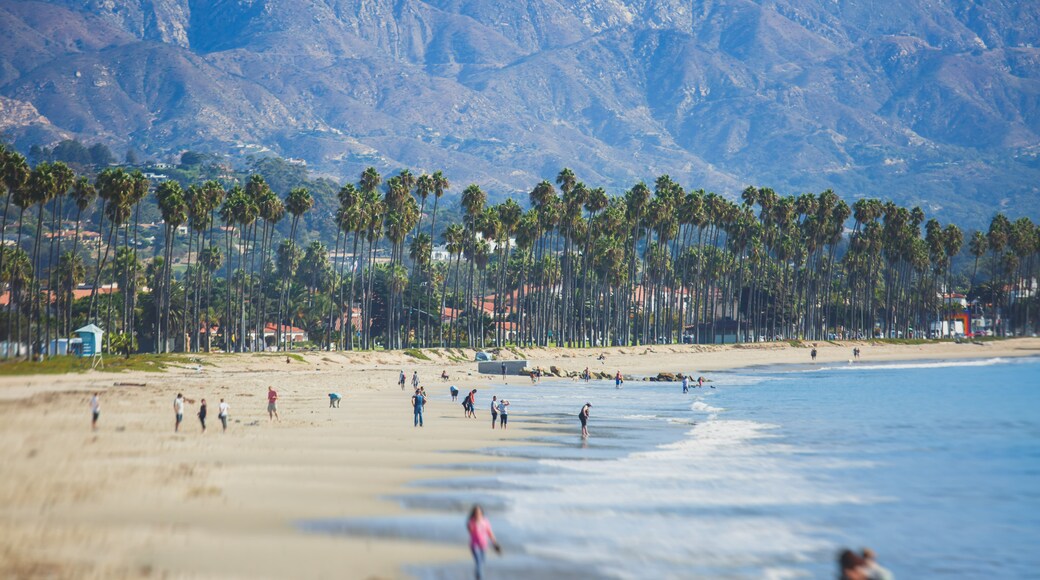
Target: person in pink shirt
{"x": 480, "y": 535}
{"x": 272, "y": 404}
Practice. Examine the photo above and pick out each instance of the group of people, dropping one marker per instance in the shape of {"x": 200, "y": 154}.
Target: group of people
{"x": 468, "y": 404}
{"x": 499, "y": 411}
{"x": 178, "y": 411}
{"x": 415, "y": 379}
{"x": 686, "y": 383}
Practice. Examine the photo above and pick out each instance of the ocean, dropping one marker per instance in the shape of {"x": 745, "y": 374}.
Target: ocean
{"x": 935, "y": 465}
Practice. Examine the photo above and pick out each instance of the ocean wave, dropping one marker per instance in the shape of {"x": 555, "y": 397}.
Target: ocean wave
{"x": 918, "y": 365}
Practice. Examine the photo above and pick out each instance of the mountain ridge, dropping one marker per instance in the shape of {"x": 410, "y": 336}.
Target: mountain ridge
{"x": 927, "y": 104}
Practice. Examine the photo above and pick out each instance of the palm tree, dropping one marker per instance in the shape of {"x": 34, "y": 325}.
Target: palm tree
{"x": 14, "y": 173}
{"x": 997, "y": 238}
{"x": 174, "y": 210}
{"x": 18, "y": 275}
{"x": 271, "y": 210}
{"x": 298, "y": 202}
{"x": 454, "y": 239}
{"x": 115, "y": 188}
{"x": 978, "y": 247}
{"x": 70, "y": 273}
{"x": 210, "y": 258}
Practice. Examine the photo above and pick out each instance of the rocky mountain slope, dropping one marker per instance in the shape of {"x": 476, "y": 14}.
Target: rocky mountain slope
{"x": 926, "y": 102}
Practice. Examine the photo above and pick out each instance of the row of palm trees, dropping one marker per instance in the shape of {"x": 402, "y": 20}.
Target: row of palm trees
{"x": 655, "y": 264}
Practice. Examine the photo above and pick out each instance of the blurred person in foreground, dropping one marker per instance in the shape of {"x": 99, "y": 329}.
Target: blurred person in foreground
{"x": 874, "y": 570}
{"x": 480, "y": 535}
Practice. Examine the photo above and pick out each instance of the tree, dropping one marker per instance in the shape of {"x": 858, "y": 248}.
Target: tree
{"x": 297, "y": 203}
{"x": 174, "y": 209}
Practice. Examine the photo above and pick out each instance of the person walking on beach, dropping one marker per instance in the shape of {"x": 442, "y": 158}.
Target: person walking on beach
{"x": 812, "y": 353}
{"x": 503, "y": 413}
{"x": 494, "y": 411}
{"x": 95, "y": 411}
{"x": 418, "y": 400}
{"x": 222, "y": 414}
{"x": 454, "y": 393}
{"x": 272, "y": 404}
{"x": 480, "y": 535}
{"x": 503, "y": 371}
{"x": 583, "y": 416}
{"x": 470, "y": 404}
{"x": 178, "y": 411}
{"x": 202, "y": 414}
{"x": 685, "y": 384}
{"x": 618, "y": 380}
{"x": 415, "y": 379}
{"x": 401, "y": 379}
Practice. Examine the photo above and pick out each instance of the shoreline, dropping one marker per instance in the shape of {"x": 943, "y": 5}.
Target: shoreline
{"x": 136, "y": 500}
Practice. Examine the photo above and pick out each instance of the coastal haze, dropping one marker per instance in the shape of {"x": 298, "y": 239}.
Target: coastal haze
{"x": 926, "y": 103}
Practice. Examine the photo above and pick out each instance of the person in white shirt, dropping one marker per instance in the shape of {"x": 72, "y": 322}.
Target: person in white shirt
{"x": 178, "y": 410}
{"x": 503, "y": 413}
{"x": 222, "y": 413}
{"x": 95, "y": 409}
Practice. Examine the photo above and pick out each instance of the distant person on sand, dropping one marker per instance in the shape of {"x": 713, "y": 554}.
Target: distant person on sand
{"x": 503, "y": 371}
{"x": 401, "y": 379}
{"x": 468, "y": 404}
{"x": 444, "y": 375}
{"x": 480, "y": 535}
{"x": 503, "y": 413}
{"x": 618, "y": 380}
{"x": 334, "y": 400}
{"x": 272, "y": 404}
{"x": 418, "y": 400}
{"x": 222, "y": 413}
{"x": 178, "y": 411}
{"x": 494, "y": 411}
{"x": 855, "y": 353}
{"x": 813, "y": 353}
{"x": 415, "y": 379}
{"x": 454, "y": 393}
{"x": 202, "y": 414}
{"x": 583, "y": 416}
{"x": 95, "y": 411}
{"x": 874, "y": 570}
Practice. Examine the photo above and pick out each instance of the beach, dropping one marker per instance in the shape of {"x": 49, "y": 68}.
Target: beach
{"x": 134, "y": 499}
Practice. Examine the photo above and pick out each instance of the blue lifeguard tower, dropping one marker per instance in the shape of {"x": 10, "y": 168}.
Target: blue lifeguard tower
{"x": 91, "y": 336}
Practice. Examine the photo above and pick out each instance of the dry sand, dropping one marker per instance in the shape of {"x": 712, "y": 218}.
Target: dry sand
{"x": 137, "y": 500}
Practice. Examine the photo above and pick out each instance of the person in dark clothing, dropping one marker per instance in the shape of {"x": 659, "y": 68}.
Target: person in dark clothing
{"x": 202, "y": 414}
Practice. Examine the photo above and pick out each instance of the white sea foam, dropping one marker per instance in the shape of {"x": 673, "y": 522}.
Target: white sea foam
{"x": 915, "y": 365}
{"x": 643, "y": 502}
{"x": 704, "y": 407}
{"x": 639, "y": 417}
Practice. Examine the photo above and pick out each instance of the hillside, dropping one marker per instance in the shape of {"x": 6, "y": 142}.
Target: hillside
{"x": 923, "y": 102}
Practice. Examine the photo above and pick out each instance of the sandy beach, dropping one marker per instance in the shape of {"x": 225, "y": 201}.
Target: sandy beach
{"x": 135, "y": 500}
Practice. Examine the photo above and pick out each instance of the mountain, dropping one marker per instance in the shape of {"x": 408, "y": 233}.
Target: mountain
{"x": 930, "y": 103}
